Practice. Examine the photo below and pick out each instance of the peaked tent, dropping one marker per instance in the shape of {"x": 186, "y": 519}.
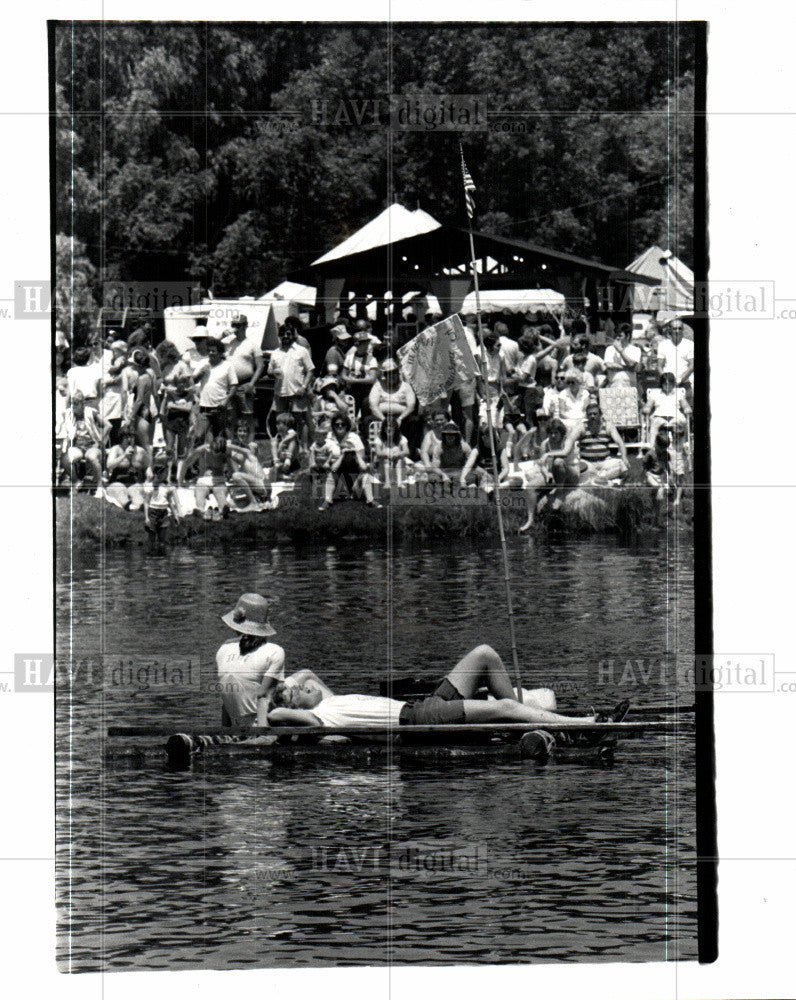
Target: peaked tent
{"x": 393, "y": 224}
{"x": 674, "y": 292}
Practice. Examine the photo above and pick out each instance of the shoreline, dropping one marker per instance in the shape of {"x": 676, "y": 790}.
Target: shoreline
{"x": 82, "y": 520}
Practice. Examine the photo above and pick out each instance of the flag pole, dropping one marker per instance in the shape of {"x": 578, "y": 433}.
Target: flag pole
{"x": 487, "y": 394}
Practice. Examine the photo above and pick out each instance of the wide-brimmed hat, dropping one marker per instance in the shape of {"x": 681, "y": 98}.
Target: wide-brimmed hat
{"x": 250, "y": 616}
{"x": 340, "y": 332}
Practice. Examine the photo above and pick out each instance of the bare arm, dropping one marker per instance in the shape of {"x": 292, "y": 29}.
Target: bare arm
{"x": 292, "y": 717}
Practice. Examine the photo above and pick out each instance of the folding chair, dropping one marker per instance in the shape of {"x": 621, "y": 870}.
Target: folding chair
{"x": 620, "y": 406}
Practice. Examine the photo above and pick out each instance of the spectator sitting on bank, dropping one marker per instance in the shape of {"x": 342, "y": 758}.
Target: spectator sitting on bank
{"x": 217, "y": 391}
{"x": 392, "y": 454}
{"x": 324, "y": 450}
{"x": 560, "y": 455}
{"x": 594, "y": 439}
{"x": 656, "y": 469}
{"x": 248, "y": 475}
{"x": 85, "y": 377}
{"x": 85, "y": 433}
{"x": 390, "y": 397}
{"x": 291, "y": 365}
{"x": 335, "y": 356}
{"x": 571, "y": 402}
{"x": 622, "y": 358}
{"x": 328, "y": 398}
{"x": 349, "y": 471}
{"x": 285, "y": 447}
{"x": 665, "y": 406}
{"x": 126, "y": 461}
{"x": 550, "y": 400}
{"x": 360, "y": 368}
{"x": 431, "y": 446}
{"x": 246, "y": 358}
{"x": 215, "y": 467}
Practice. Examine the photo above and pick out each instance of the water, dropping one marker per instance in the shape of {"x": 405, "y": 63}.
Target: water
{"x": 250, "y": 863}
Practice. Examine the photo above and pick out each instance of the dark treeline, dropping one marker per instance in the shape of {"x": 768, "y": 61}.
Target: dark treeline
{"x": 172, "y": 160}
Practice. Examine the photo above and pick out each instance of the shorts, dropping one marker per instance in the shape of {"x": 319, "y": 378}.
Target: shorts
{"x": 444, "y": 707}
{"x": 292, "y": 404}
{"x": 177, "y": 421}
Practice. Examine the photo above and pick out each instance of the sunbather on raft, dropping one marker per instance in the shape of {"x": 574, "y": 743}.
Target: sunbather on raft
{"x": 311, "y": 703}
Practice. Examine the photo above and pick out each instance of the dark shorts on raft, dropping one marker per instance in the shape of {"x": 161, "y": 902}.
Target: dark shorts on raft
{"x": 444, "y": 707}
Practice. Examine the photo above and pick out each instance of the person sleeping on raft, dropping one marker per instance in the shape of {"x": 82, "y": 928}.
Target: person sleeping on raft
{"x": 251, "y": 670}
{"x": 309, "y": 702}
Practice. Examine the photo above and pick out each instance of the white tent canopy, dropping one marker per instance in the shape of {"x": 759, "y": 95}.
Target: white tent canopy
{"x": 675, "y": 292}
{"x": 180, "y": 321}
{"x": 287, "y": 297}
{"x": 393, "y": 224}
{"x": 516, "y": 300}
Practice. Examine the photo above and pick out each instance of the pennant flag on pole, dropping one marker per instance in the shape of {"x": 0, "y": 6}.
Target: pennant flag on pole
{"x": 438, "y": 360}
{"x": 469, "y": 188}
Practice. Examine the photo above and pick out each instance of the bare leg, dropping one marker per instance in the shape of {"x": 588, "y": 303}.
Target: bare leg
{"x": 509, "y": 710}
{"x": 481, "y": 665}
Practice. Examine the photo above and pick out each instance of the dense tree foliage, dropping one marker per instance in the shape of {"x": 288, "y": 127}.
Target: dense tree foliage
{"x": 232, "y": 153}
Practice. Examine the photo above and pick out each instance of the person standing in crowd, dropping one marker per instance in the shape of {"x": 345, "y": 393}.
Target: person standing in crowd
{"x": 196, "y": 355}
{"x": 676, "y": 355}
{"x": 509, "y": 349}
{"x": 335, "y": 356}
{"x": 114, "y": 389}
{"x": 622, "y": 358}
{"x": 247, "y": 360}
{"x": 292, "y": 367}
{"x": 85, "y": 377}
{"x": 84, "y": 434}
{"x": 592, "y": 365}
{"x": 217, "y": 391}
{"x": 360, "y": 368}
{"x": 141, "y": 409}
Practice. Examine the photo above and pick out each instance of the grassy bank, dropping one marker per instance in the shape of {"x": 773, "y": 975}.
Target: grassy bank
{"x": 84, "y": 520}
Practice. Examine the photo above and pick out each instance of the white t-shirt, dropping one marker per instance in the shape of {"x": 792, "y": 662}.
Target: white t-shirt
{"x": 267, "y": 660}
{"x": 219, "y": 381}
{"x": 85, "y": 379}
{"x": 618, "y": 374}
{"x": 510, "y": 352}
{"x": 240, "y": 677}
{"x": 245, "y": 355}
{"x": 676, "y": 359}
{"x": 358, "y": 710}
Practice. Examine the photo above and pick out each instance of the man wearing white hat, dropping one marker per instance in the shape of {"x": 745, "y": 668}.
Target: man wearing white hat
{"x": 335, "y": 356}
{"x": 248, "y": 665}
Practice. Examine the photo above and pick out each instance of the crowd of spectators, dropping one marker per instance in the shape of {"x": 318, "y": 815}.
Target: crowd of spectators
{"x": 139, "y": 422}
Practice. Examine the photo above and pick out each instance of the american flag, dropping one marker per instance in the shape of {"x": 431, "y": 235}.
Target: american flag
{"x": 469, "y": 189}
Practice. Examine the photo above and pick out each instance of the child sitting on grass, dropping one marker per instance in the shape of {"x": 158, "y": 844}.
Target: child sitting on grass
{"x": 285, "y": 446}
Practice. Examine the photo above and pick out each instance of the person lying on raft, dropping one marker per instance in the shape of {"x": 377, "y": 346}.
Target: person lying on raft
{"x": 312, "y": 703}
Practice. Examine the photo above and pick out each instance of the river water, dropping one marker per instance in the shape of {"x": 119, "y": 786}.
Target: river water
{"x": 251, "y": 863}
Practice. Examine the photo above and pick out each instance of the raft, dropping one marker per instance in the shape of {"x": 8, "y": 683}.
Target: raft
{"x": 594, "y": 742}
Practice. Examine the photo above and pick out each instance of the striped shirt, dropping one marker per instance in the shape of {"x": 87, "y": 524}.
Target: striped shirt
{"x": 594, "y": 447}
